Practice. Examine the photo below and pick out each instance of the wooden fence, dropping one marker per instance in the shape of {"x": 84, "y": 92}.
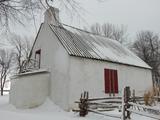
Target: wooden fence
{"x": 127, "y": 104}
{"x": 98, "y": 105}
{"x": 130, "y": 105}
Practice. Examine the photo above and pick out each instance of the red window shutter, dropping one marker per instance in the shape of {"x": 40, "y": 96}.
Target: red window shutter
{"x": 106, "y": 80}
{"x": 111, "y": 81}
{"x": 116, "y": 81}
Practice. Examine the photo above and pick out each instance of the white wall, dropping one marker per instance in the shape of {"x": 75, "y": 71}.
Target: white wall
{"x": 56, "y": 59}
{"x": 88, "y": 75}
{"x": 29, "y": 90}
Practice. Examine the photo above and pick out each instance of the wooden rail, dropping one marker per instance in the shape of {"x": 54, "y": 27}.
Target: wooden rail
{"x": 87, "y": 104}
{"x": 105, "y": 114}
{"x": 144, "y": 106}
{"x": 127, "y": 103}
{"x": 144, "y": 114}
{"x": 128, "y": 110}
{"x": 105, "y": 98}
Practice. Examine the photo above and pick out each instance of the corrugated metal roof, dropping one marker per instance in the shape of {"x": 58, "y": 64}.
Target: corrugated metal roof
{"x": 84, "y": 44}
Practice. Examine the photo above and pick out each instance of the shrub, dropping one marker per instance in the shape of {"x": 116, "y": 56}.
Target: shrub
{"x": 149, "y": 95}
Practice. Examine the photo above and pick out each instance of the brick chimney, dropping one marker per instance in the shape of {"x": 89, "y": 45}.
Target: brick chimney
{"x": 51, "y": 16}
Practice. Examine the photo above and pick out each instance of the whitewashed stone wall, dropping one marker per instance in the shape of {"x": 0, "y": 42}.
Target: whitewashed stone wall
{"x": 30, "y": 89}
{"x": 88, "y": 75}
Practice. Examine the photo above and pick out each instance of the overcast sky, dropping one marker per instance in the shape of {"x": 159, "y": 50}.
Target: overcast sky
{"x": 135, "y": 14}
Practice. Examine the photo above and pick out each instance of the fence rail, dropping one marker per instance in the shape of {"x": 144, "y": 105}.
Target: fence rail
{"x": 105, "y": 114}
{"x": 144, "y": 114}
{"x": 143, "y": 106}
{"x": 130, "y": 104}
{"x": 127, "y": 104}
{"x": 105, "y": 98}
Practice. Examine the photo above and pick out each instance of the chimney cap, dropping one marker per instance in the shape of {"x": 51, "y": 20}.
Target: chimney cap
{"x": 52, "y": 16}
{"x": 53, "y": 9}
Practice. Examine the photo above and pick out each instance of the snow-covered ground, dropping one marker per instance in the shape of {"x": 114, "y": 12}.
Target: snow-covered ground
{"x": 49, "y": 111}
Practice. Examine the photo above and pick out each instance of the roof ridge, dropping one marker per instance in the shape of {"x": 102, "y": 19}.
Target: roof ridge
{"x": 82, "y": 30}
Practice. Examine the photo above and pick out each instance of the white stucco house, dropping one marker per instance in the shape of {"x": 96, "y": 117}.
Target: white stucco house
{"x": 70, "y": 61}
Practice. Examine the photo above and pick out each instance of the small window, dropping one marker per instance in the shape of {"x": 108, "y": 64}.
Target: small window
{"x": 111, "y": 81}
{"x": 38, "y": 58}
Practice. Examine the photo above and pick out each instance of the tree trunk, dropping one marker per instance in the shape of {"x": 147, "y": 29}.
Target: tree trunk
{"x": 1, "y": 91}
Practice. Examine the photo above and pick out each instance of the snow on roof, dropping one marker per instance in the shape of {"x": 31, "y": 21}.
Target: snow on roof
{"x": 85, "y": 44}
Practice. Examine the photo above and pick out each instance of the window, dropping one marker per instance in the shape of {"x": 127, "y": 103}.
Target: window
{"x": 111, "y": 81}
{"x": 38, "y": 58}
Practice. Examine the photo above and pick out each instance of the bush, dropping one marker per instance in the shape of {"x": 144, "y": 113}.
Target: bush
{"x": 149, "y": 95}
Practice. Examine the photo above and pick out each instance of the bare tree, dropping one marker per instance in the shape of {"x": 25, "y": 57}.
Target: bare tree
{"x": 147, "y": 47}
{"x": 16, "y": 10}
{"x": 110, "y": 31}
{"x": 96, "y": 28}
{"x": 22, "y": 47}
{"x": 5, "y": 65}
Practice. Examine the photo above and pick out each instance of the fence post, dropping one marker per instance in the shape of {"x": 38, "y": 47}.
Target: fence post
{"x": 134, "y": 96}
{"x": 126, "y": 98}
{"x": 123, "y": 105}
{"x": 83, "y": 105}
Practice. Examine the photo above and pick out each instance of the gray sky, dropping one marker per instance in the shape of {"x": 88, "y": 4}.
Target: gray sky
{"x": 135, "y": 14}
